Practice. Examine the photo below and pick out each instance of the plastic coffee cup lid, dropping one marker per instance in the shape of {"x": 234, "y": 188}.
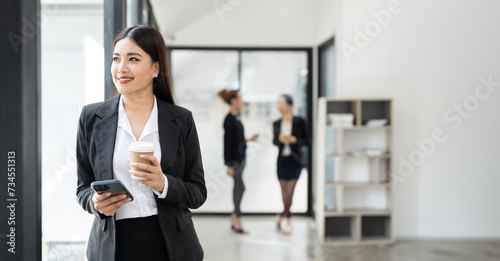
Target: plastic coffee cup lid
{"x": 142, "y": 146}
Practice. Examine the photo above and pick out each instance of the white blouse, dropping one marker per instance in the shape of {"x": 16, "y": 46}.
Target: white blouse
{"x": 144, "y": 203}
{"x": 286, "y": 129}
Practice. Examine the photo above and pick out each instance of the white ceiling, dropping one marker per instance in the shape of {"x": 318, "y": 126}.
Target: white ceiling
{"x": 173, "y": 15}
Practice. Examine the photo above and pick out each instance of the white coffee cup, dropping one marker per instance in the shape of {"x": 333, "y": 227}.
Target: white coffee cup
{"x": 138, "y": 148}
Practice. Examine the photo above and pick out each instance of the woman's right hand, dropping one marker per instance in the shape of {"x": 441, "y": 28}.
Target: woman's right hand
{"x": 108, "y": 205}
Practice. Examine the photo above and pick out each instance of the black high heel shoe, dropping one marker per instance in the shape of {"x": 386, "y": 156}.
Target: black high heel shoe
{"x": 240, "y": 230}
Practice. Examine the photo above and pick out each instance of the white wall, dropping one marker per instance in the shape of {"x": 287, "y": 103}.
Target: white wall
{"x": 328, "y": 19}
{"x": 429, "y": 57}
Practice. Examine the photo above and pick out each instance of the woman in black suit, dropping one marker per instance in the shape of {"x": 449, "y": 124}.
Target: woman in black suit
{"x": 234, "y": 152}
{"x": 157, "y": 225}
{"x": 290, "y": 134}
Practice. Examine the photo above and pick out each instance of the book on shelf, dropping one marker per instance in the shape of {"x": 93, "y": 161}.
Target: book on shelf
{"x": 376, "y": 123}
{"x": 345, "y": 120}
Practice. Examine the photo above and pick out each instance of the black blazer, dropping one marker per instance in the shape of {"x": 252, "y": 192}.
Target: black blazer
{"x": 181, "y": 160}
{"x": 300, "y": 131}
{"x": 234, "y": 141}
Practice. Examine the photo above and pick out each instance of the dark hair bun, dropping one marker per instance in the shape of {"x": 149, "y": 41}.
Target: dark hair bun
{"x": 228, "y": 95}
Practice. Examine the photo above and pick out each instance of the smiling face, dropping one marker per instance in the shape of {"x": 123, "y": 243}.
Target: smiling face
{"x": 132, "y": 68}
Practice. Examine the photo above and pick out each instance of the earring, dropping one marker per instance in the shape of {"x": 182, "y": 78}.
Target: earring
{"x": 156, "y": 75}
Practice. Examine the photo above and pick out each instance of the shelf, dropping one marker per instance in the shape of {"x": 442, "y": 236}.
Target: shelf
{"x": 375, "y": 110}
{"x": 387, "y": 127}
{"x": 375, "y": 238}
{"x": 361, "y": 212}
{"x": 333, "y": 213}
{"x": 352, "y": 242}
{"x": 340, "y": 228}
{"x": 372, "y": 212}
{"x": 345, "y": 106}
{"x": 353, "y": 184}
{"x": 331, "y": 239}
{"x": 354, "y": 190}
{"x": 375, "y": 227}
{"x": 337, "y": 155}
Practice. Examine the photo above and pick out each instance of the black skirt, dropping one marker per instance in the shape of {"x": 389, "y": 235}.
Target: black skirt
{"x": 289, "y": 169}
{"x": 140, "y": 239}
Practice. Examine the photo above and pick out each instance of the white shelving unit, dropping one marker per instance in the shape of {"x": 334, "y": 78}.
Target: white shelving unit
{"x": 353, "y": 189}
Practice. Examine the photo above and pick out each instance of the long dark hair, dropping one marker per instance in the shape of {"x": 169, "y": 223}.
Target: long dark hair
{"x": 150, "y": 40}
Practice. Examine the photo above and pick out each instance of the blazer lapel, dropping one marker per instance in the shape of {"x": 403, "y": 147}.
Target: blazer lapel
{"x": 105, "y": 136}
{"x": 169, "y": 135}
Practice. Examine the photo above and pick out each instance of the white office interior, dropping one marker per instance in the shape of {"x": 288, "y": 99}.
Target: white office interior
{"x": 437, "y": 61}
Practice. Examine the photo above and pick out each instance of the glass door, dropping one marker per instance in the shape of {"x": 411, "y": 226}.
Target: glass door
{"x": 261, "y": 76}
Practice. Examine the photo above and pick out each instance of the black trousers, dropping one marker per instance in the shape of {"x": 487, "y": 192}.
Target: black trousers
{"x": 140, "y": 239}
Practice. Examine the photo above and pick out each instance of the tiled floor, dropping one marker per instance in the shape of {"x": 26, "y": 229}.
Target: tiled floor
{"x": 265, "y": 242}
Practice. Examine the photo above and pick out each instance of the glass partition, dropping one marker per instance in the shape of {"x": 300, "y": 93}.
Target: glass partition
{"x": 198, "y": 76}
{"x": 72, "y": 76}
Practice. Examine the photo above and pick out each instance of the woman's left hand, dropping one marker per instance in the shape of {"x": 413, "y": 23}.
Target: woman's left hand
{"x": 152, "y": 173}
{"x": 254, "y": 137}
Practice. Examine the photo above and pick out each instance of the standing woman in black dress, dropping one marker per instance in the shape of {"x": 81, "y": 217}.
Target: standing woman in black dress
{"x": 157, "y": 224}
{"x": 290, "y": 134}
{"x": 234, "y": 152}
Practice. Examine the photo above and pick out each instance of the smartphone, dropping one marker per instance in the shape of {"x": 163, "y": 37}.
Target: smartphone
{"x": 114, "y": 186}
